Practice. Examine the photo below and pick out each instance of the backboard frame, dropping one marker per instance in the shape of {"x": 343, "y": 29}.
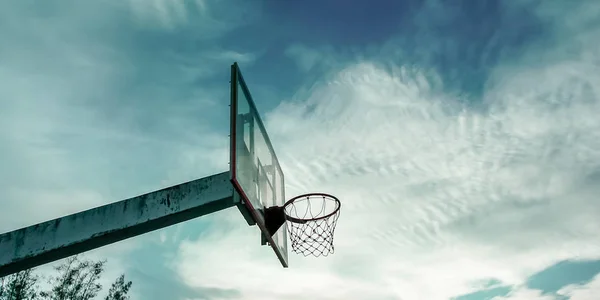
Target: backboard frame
{"x": 253, "y": 215}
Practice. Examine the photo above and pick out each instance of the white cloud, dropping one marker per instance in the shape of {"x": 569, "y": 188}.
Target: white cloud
{"x": 210, "y": 18}
{"x": 80, "y": 115}
{"x": 231, "y": 56}
{"x": 306, "y": 58}
{"x": 436, "y": 194}
{"x": 586, "y": 292}
{"x": 525, "y": 294}
{"x": 163, "y": 12}
{"x": 81, "y": 118}
{"x": 321, "y": 59}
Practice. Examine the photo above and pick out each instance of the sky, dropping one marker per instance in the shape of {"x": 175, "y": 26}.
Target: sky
{"x": 462, "y": 138}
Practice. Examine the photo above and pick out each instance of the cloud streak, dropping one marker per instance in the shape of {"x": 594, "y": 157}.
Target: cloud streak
{"x": 440, "y": 187}
{"x": 437, "y": 191}
{"x": 107, "y": 100}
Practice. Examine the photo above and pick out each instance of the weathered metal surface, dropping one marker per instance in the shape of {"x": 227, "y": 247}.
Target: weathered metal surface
{"x": 59, "y": 238}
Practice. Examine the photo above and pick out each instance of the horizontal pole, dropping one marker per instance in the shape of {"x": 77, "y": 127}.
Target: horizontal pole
{"x": 59, "y": 238}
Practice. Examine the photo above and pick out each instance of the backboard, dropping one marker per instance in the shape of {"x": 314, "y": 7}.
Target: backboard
{"x": 255, "y": 172}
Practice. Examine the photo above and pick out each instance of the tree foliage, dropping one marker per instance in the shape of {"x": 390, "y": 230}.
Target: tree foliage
{"x": 119, "y": 289}
{"x": 19, "y": 286}
{"x": 75, "y": 279}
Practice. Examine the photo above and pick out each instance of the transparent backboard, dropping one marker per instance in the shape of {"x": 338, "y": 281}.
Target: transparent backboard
{"x": 255, "y": 171}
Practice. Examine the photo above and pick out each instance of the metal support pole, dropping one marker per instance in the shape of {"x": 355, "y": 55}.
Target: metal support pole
{"x": 59, "y": 238}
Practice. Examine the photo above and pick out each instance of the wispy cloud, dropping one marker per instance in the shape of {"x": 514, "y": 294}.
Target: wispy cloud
{"x": 83, "y": 111}
{"x": 211, "y": 18}
{"x": 307, "y": 58}
{"x": 103, "y": 101}
{"x": 438, "y": 192}
{"x": 526, "y": 294}
{"x": 588, "y": 291}
{"x": 441, "y": 187}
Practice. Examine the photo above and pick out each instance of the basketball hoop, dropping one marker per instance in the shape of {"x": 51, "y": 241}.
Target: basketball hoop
{"x": 311, "y": 222}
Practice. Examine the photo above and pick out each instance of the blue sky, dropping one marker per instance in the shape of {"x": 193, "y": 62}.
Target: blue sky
{"x": 461, "y": 136}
